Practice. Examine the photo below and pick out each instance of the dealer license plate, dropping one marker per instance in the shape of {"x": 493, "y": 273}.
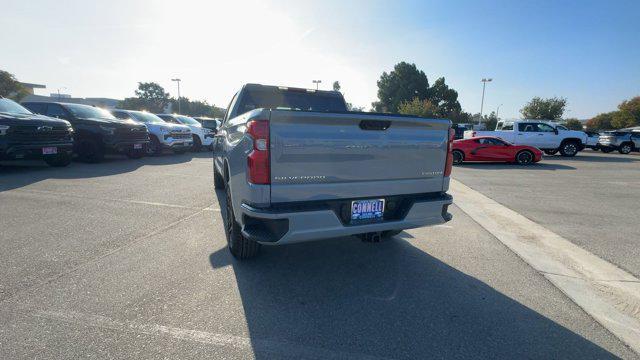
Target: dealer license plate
{"x": 137, "y": 146}
{"x": 367, "y": 210}
{"x": 49, "y": 150}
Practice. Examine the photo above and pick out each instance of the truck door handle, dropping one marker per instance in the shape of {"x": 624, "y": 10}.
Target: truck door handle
{"x": 376, "y": 125}
{"x": 540, "y": 134}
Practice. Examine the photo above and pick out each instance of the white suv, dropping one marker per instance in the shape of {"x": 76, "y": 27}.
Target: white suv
{"x": 201, "y": 135}
{"x": 544, "y": 135}
{"x": 163, "y": 135}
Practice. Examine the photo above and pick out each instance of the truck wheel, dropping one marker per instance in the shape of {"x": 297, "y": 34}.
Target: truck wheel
{"x": 569, "y": 149}
{"x": 197, "y": 144}
{"x": 90, "y": 151}
{"x": 625, "y": 148}
{"x": 240, "y": 247}
{"x": 551, "y": 152}
{"x": 218, "y": 180}
{"x": 458, "y": 157}
{"x": 60, "y": 160}
{"x": 524, "y": 157}
{"x": 154, "y": 148}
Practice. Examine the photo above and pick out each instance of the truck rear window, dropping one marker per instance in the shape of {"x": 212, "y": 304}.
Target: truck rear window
{"x": 290, "y": 99}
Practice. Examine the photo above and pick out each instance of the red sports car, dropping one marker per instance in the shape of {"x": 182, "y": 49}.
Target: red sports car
{"x": 493, "y": 149}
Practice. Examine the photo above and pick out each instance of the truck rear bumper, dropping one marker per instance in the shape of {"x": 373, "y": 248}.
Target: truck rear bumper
{"x": 276, "y": 227}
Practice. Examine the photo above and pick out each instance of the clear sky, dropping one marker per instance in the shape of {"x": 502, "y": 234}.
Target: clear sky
{"x": 586, "y": 51}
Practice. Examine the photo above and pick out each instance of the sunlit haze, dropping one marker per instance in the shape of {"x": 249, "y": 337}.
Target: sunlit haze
{"x": 585, "y": 52}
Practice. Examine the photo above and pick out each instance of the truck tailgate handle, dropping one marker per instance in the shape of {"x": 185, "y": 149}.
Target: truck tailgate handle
{"x": 377, "y": 125}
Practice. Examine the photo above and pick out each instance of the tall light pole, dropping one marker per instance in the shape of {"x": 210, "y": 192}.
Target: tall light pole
{"x": 178, "y": 81}
{"x": 498, "y": 111}
{"x": 317, "y": 82}
{"x": 484, "y": 84}
{"x": 59, "y": 96}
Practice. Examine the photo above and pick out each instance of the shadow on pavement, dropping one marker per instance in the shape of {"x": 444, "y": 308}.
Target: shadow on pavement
{"x": 502, "y": 166}
{"x": 388, "y": 300}
{"x": 601, "y": 158}
{"x": 16, "y": 174}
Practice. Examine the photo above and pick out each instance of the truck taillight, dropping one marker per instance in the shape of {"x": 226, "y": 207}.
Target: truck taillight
{"x": 258, "y": 163}
{"x": 449, "y": 164}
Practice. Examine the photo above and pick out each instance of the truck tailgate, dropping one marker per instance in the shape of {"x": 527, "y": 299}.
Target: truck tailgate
{"x": 323, "y": 156}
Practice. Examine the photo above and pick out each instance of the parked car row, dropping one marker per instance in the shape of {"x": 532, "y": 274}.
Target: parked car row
{"x": 543, "y": 135}
{"x": 625, "y": 141}
{"x": 55, "y": 131}
{"x": 552, "y": 138}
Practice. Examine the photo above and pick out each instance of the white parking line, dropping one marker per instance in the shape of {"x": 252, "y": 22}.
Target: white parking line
{"x": 280, "y": 349}
{"x": 607, "y": 293}
{"x": 139, "y": 202}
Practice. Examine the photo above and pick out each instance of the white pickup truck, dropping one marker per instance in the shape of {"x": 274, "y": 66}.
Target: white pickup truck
{"x": 544, "y": 135}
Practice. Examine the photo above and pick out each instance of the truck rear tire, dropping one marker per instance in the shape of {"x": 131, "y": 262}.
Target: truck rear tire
{"x": 569, "y": 148}
{"x": 218, "y": 180}
{"x": 240, "y": 247}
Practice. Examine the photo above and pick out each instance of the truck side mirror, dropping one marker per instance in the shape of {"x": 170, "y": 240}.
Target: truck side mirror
{"x": 555, "y": 130}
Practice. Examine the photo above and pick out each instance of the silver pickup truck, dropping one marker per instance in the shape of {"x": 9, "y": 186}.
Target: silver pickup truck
{"x": 297, "y": 166}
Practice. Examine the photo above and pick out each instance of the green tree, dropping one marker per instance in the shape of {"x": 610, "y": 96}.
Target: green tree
{"x": 541, "y": 109}
{"x": 351, "y": 107}
{"x": 601, "y": 122}
{"x": 490, "y": 121}
{"x": 196, "y": 108}
{"x": 460, "y": 117}
{"x": 402, "y": 84}
{"x": 132, "y": 103}
{"x": 632, "y": 106}
{"x": 573, "y": 124}
{"x": 444, "y": 98}
{"x": 336, "y": 86}
{"x": 10, "y": 87}
{"x": 153, "y": 95}
{"x": 150, "y": 96}
{"x": 417, "y": 107}
{"x": 622, "y": 119}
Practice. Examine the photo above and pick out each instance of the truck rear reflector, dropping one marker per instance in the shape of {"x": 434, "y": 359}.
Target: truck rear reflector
{"x": 449, "y": 164}
{"x": 258, "y": 163}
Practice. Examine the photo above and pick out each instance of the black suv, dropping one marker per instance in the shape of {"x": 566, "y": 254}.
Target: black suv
{"x": 24, "y": 135}
{"x": 97, "y": 132}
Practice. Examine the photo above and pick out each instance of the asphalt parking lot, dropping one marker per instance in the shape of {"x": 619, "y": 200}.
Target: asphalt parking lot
{"x": 591, "y": 199}
{"x": 127, "y": 259}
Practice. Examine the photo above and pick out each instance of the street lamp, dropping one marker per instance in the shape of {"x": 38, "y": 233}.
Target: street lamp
{"x": 484, "y": 84}
{"x": 178, "y": 81}
{"x": 317, "y": 82}
{"x": 498, "y": 111}
{"x": 60, "y": 96}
